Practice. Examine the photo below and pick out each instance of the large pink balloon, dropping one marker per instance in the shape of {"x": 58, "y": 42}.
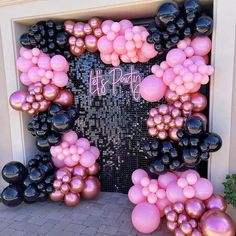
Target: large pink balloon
{"x": 135, "y": 194}
{"x": 175, "y": 56}
{"x": 152, "y": 89}
{"x": 203, "y": 189}
{"x": 104, "y": 45}
{"x": 57, "y": 162}
{"x": 70, "y": 137}
{"x": 87, "y": 159}
{"x": 201, "y": 46}
{"x": 137, "y": 175}
{"x": 145, "y": 217}
{"x": 119, "y": 45}
{"x": 59, "y": 63}
{"x": 174, "y": 193}
{"x": 148, "y": 50}
{"x": 165, "y": 179}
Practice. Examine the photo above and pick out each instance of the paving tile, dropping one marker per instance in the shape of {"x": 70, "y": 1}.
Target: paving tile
{"x": 112, "y": 230}
{"x": 90, "y": 231}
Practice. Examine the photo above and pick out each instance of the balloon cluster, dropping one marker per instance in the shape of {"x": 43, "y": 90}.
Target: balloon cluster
{"x": 73, "y": 151}
{"x": 44, "y": 77}
{"x": 196, "y": 143}
{"x": 165, "y": 120}
{"x": 162, "y": 156}
{"x": 29, "y": 184}
{"x": 173, "y": 23}
{"x": 49, "y": 126}
{"x": 124, "y": 42}
{"x": 185, "y": 199}
{"x": 72, "y": 183}
{"x": 49, "y": 36}
{"x": 84, "y": 36}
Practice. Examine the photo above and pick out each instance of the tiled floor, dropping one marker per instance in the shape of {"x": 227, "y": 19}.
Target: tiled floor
{"x": 108, "y": 215}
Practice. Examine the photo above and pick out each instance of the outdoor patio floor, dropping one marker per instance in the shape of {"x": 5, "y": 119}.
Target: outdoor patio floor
{"x": 109, "y": 214}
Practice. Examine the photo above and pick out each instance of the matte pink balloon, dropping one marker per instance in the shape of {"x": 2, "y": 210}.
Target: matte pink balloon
{"x": 185, "y": 173}
{"x": 201, "y": 46}
{"x": 145, "y": 217}
{"x": 203, "y": 189}
{"x": 57, "y": 162}
{"x": 95, "y": 151}
{"x": 175, "y": 56}
{"x": 119, "y": 45}
{"x": 152, "y": 89}
{"x": 104, "y": 45}
{"x": 137, "y": 175}
{"x": 23, "y": 64}
{"x": 148, "y": 50}
{"x": 44, "y": 62}
{"x": 84, "y": 143}
{"x": 24, "y": 79}
{"x": 174, "y": 193}
{"x": 70, "y": 137}
{"x": 162, "y": 204}
{"x": 135, "y": 194}
{"x": 33, "y": 74}
{"x": 125, "y": 24}
{"x": 59, "y": 63}
{"x": 165, "y": 179}
{"x": 70, "y": 162}
{"x": 60, "y": 79}
{"x": 87, "y": 159}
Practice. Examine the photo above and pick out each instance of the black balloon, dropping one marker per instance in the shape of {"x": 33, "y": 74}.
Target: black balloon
{"x": 49, "y": 36}
{"x": 12, "y": 195}
{"x": 173, "y": 23}
{"x": 14, "y": 172}
{"x": 31, "y": 194}
{"x": 49, "y": 126}
{"x": 195, "y": 125}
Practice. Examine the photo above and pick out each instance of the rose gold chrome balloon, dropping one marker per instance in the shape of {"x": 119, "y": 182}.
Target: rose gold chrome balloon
{"x": 92, "y": 189}
{"x": 80, "y": 171}
{"x": 87, "y": 29}
{"x": 171, "y": 226}
{"x": 94, "y": 169}
{"x": 186, "y": 228}
{"x": 199, "y": 102}
{"x": 72, "y": 40}
{"x": 172, "y": 216}
{"x": 56, "y": 196}
{"x": 17, "y": 99}
{"x": 97, "y": 32}
{"x": 91, "y": 43}
{"x": 217, "y": 223}
{"x": 150, "y": 122}
{"x": 72, "y": 199}
{"x": 77, "y": 184}
{"x": 43, "y": 105}
{"x": 194, "y": 208}
{"x": 50, "y": 92}
{"x": 65, "y": 188}
{"x": 60, "y": 173}
{"x": 153, "y": 112}
{"x": 65, "y": 98}
{"x": 178, "y": 207}
{"x": 95, "y": 22}
{"x": 57, "y": 184}
{"x": 78, "y": 30}
{"x": 69, "y": 26}
{"x": 216, "y": 201}
{"x": 152, "y": 131}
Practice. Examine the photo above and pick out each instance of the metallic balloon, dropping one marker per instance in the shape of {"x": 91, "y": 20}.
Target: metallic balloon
{"x": 78, "y": 30}
{"x": 217, "y": 223}
{"x": 199, "y": 102}
{"x": 216, "y": 202}
{"x": 87, "y": 29}
{"x": 91, "y": 43}
{"x": 12, "y": 195}
{"x": 95, "y": 22}
{"x": 65, "y": 98}
{"x": 69, "y": 26}
{"x": 60, "y": 173}
{"x": 56, "y": 196}
{"x": 50, "y": 92}
{"x": 92, "y": 189}
{"x": 94, "y": 169}
{"x": 201, "y": 115}
{"x": 195, "y": 208}
{"x": 17, "y": 99}
{"x": 80, "y": 171}
{"x": 72, "y": 199}
{"x": 77, "y": 184}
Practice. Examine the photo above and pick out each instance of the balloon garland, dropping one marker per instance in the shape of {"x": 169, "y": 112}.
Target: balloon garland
{"x": 180, "y": 140}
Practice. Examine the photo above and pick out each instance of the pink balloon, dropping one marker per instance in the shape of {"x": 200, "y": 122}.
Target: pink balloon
{"x": 137, "y": 175}
{"x": 148, "y": 50}
{"x": 125, "y": 24}
{"x": 87, "y": 159}
{"x": 70, "y": 162}
{"x": 24, "y": 79}
{"x": 201, "y": 45}
{"x": 104, "y": 45}
{"x": 60, "y": 79}
{"x": 145, "y": 217}
{"x": 162, "y": 204}
{"x": 203, "y": 189}
{"x": 165, "y": 179}
{"x": 152, "y": 89}
{"x": 189, "y": 192}
{"x": 33, "y": 74}
{"x": 70, "y": 137}
{"x": 174, "y": 193}
{"x": 83, "y": 143}
{"x": 23, "y": 64}
{"x": 119, "y": 45}
{"x": 168, "y": 76}
{"x": 44, "y": 62}
{"x": 57, "y": 162}
{"x": 135, "y": 194}
{"x": 95, "y": 151}
{"x": 185, "y": 173}
{"x": 59, "y": 63}
{"x": 175, "y": 56}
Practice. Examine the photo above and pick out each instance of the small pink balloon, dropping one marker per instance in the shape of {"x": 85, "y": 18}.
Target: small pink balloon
{"x": 145, "y": 181}
{"x": 60, "y": 79}
{"x": 168, "y": 76}
{"x": 125, "y": 24}
{"x": 59, "y": 63}
{"x": 201, "y": 45}
{"x": 24, "y": 79}
{"x": 162, "y": 204}
{"x": 174, "y": 193}
{"x": 95, "y": 151}
{"x": 83, "y": 143}
{"x": 137, "y": 175}
{"x": 148, "y": 50}
{"x": 152, "y": 198}
{"x": 135, "y": 194}
{"x": 119, "y": 45}
{"x": 161, "y": 193}
{"x": 57, "y": 162}
{"x": 153, "y": 187}
{"x": 145, "y": 217}
{"x": 182, "y": 182}
{"x": 44, "y": 62}
{"x": 104, "y": 45}
{"x": 191, "y": 178}
{"x": 70, "y": 162}
{"x": 175, "y": 56}
{"x": 152, "y": 89}
{"x": 70, "y": 137}
{"x": 189, "y": 192}
{"x": 23, "y": 64}
{"x": 185, "y": 173}
{"x": 34, "y": 75}
{"x": 165, "y": 179}
{"x": 87, "y": 159}
{"x": 203, "y": 189}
